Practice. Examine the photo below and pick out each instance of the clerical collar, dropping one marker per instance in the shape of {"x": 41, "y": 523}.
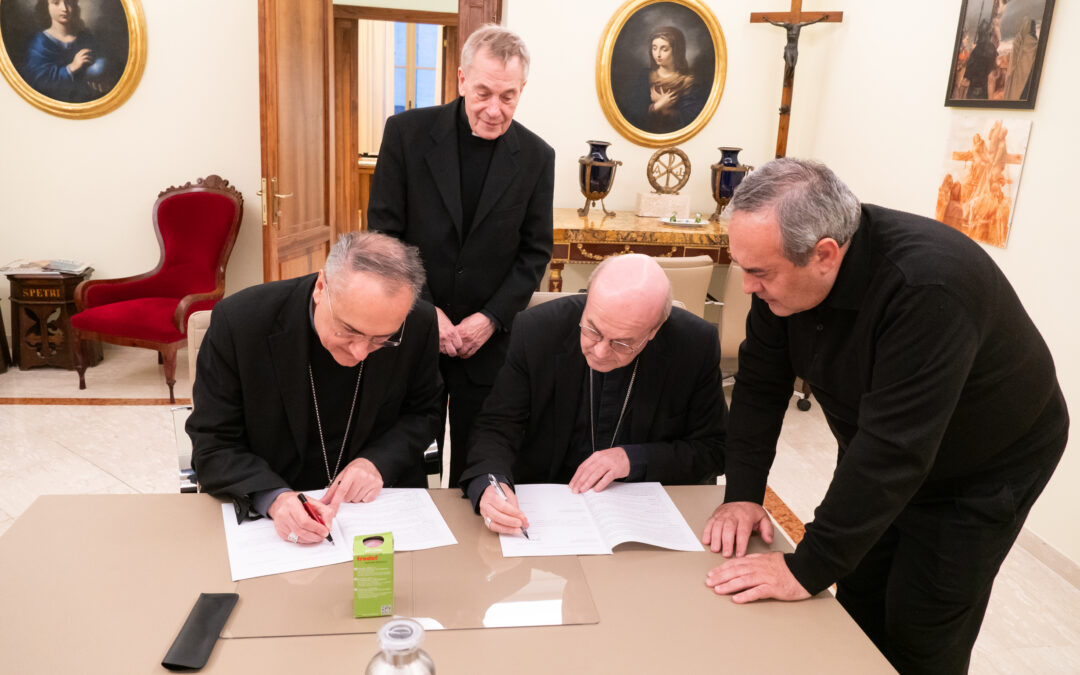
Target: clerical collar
{"x": 466, "y": 128}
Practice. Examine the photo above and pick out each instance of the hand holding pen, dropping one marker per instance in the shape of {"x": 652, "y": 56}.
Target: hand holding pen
{"x": 314, "y": 515}
{"x": 298, "y": 522}
{"x": 499, "y": 507}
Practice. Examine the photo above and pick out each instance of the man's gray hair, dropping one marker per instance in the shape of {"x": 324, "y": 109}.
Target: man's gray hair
{"x": 503, "y": 43}
{"x": 378, "y": 254}
{"x": 810, "y": 203}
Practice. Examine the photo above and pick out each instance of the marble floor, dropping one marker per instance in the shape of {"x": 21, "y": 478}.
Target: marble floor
{"x": 117, "y": 436}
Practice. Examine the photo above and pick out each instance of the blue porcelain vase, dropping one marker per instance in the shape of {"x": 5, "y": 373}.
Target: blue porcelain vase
{"x": 596, "y": 174}
{"x": 599, "y": 180}
{"x": 726, "y": 176}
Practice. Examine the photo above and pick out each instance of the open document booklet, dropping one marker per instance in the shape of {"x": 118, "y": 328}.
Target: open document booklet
{"x": 256, "y": 550}
{"x": 563, "y": 523}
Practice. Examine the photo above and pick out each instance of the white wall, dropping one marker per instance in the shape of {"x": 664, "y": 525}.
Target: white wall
{"x": 84, "y": 189}
{"x": 868, "y": 101}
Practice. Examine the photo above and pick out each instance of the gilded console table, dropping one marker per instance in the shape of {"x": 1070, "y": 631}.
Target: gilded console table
{"x": 592, "y": 238}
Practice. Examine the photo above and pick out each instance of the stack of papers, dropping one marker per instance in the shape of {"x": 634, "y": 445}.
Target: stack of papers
{"x": 256, "y": 550}
{"x": 45, "y": 267}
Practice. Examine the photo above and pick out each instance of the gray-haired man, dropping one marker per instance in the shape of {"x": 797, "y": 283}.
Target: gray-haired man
{"x": 472, "y": 189}
{"x": 937, "y": 386}
{"x": 329, "y": 380}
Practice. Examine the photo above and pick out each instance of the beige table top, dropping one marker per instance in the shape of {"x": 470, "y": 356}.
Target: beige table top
{"x": 102, "y": 583}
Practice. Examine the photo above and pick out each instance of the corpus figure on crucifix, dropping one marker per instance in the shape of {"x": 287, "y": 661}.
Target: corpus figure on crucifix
{"x": 791, "y": 49}
{"x": 793, "y": 23}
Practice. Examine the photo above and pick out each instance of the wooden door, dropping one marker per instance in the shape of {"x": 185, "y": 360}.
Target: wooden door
{"x": 475, "y": 13}
{"x": 296, "y": 125}
{"x": 352, "y": 174}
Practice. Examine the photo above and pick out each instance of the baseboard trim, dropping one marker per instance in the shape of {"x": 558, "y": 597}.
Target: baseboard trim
{"x": 92, "y": 401}
{"x": 1055, "y": 560}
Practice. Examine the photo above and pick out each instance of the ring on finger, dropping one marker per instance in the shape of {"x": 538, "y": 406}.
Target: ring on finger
{"x": 487, "y": 522}
{"x": 293, "y": 538}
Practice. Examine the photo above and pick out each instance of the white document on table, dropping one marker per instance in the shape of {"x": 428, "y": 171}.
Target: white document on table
{"x": 256, "y": 550}
{"x": 590, "y": 523}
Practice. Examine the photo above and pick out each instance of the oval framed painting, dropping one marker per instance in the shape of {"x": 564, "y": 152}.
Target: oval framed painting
{"x": 660, "y": 70}
{"x": 73, "y": 58}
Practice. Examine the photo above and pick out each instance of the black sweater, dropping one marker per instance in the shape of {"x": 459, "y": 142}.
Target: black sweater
{"x": 928, "y": 370}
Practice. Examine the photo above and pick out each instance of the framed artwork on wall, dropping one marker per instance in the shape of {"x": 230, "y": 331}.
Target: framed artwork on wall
{"x": 998, "y": 56}
{"x": 73, "y": 58}
{"x": 981, "y": 178}
{"x": 660, "y": 70}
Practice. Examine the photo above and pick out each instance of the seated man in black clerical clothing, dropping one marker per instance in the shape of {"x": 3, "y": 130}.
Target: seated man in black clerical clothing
{"x": 612, "y": 385}
{"x": 326, "y": 381}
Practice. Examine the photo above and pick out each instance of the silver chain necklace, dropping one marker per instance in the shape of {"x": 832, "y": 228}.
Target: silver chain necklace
{"x": 348, "y": 423}
{"x": 592, "y": 422}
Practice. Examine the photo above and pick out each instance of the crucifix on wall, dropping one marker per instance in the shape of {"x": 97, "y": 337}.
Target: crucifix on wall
{"x": 793, "y": 22}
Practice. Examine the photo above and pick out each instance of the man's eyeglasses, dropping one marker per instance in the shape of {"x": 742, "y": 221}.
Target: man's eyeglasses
{"x": 618, "y": 346}
{"x": 355, "y": 336}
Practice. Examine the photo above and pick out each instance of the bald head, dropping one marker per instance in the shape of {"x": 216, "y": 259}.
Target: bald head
{"x": 629, "y": 298}
{"x": 634, "y": 284}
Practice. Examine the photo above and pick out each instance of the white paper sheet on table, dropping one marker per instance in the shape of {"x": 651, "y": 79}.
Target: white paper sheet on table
{"x": 562, "y": 523}
{"x": 256, "y": 550}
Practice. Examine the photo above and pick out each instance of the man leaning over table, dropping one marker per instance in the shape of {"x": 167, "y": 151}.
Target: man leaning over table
{"x": 937, "y": 386}
{"x": 613, "y": 385}
{"x": 325, "y": 381}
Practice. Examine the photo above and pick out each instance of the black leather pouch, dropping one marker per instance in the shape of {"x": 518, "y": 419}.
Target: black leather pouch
{"x": 193, "y": 644}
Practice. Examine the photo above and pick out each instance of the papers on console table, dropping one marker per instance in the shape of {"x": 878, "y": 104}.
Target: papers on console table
{"x": 562, "y": 523}
{"x": 255, "y": 549}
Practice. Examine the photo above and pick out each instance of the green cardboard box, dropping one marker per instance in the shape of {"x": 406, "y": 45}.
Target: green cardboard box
{"x": 373, "y": 575}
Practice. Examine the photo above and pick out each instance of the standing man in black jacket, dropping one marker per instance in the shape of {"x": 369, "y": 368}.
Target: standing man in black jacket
{"x": 936, "y": 384}
{"x": 472, "y": 189}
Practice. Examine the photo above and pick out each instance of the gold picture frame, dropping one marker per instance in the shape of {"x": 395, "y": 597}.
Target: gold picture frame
{"x": 643, "y": 105}
{"x": 111, "y": 40}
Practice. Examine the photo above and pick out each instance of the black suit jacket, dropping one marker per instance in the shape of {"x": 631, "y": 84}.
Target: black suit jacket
{"x": 252, "y": 398}
{"x": 679, "y": 413}
{"x": 416, "y": 196}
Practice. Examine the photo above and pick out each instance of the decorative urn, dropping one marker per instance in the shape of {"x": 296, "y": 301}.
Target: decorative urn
{"x": 596, "y": 175}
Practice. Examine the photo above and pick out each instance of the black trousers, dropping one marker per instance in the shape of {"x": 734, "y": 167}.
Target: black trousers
{"x": 921, "y": 591}
{"x": 466, "y": 400}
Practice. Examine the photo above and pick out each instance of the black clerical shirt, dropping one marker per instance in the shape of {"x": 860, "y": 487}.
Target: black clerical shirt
{"x": 335, "y": 386}
{"x": 609, "y": 392}
{"x": 929, "y": 372}
{"x": 474, "y": 158}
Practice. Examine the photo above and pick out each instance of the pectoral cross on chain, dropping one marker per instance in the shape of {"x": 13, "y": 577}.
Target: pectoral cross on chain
{"x": 793, "y": 22}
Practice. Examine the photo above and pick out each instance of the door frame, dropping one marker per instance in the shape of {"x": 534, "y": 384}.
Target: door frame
{"x": 350, "y": 197}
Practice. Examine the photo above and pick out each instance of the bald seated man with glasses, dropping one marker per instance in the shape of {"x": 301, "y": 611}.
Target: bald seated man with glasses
{"x": 613, "y": 385}
{"x": 326, "y": 381}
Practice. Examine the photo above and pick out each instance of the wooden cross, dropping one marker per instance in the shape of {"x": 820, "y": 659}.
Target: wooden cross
{"x": 793, "y": 22}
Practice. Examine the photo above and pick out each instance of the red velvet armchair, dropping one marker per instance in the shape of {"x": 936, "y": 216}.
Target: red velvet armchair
{"x": 196, "y": 227}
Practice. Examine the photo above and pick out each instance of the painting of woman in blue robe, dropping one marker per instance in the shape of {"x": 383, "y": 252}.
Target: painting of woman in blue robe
{"x": 60, "y": 56}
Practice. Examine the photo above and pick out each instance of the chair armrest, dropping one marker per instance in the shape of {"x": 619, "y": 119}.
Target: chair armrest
{"x": 84, "y": 287}
{"x": 182, "y": 310}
